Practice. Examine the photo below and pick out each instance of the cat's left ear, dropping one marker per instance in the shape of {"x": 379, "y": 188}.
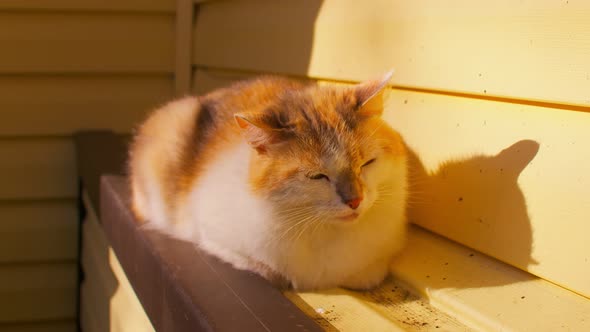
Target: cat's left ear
{"x": 369, "y": 95}
{"x": 256, "y": 131}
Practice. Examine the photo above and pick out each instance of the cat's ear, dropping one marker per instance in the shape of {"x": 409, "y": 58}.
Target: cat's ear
{"x": 369, "y": 95}
{"x": 257, "y": 133}
{"x": 515, "y": 158}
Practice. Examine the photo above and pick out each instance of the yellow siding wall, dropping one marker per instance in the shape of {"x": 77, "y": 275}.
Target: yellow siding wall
{"x": 64, "y": 66}
{"x": 491, "y": 96}
{"x": 517, "y": 50}
{"x": 107, "y": 300}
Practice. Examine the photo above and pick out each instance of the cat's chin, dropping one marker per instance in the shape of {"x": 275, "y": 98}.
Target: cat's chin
{"x": 345, "y": 219}
{"x": 348, "y": 217}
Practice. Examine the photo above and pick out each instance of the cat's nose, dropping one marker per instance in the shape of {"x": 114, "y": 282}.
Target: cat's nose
{"x": 354, "y": 203}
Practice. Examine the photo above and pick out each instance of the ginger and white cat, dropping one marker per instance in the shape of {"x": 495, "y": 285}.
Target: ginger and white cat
{"x": 303, "y": 184}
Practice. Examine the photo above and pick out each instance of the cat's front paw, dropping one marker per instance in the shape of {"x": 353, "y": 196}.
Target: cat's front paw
{"x": 368, "y": 278}
{"x": 360, "y": 285}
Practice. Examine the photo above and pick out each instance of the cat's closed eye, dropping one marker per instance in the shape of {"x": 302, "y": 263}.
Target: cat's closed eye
{"x": 318, "y": 176}
{"x": 369, "y": 162}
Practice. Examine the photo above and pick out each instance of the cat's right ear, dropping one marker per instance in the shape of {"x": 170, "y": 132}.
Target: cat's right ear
{"x": 369, "y": 95}
{"x": 256, "y": 132}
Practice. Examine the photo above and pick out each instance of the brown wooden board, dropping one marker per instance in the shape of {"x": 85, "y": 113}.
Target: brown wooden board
{"x": 184, "y": 289}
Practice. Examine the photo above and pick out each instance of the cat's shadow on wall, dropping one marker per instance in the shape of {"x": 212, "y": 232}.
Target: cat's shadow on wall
{"x": 478, "y": 202}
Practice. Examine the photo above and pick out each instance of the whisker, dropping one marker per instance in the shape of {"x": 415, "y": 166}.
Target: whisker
{"x": 303, "y": 229}
{"x": 296, "y": 208}
{"x": 305, "y": 224}
{"x": 318, "y": 225}
{"x": 297, "y": 220}
{"x": 293, "y": 215}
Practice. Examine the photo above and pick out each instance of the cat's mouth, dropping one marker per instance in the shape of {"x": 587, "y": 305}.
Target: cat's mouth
{"x": 348, "y": 217}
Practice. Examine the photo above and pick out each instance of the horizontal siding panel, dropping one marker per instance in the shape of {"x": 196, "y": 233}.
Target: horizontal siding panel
{"x": 88, "y": 323}
{"x": 37, "y": 292}
{"x": 91, "y": 5}
{"x": 484, "y": 293}
{"x": 38, "y": 231}
{"x": 65, "y": 104}
{"x": 50, "y": 326}
{"x": 256, "y": 35}
{"x": 108, "y": 301}
{"x": 37, "y": 168}
{"x": 534, "y": 50}
{"x": 63, "y": 43}
{"x": 508, "y": 180}
{"x": 208, "y": 80}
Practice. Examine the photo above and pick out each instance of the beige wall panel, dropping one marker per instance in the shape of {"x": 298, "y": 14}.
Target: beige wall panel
{"x": 37, "y": 292}
{"x": 263, "y": 35}
{"x": 88, "y": 321}
{"x": 58, "y": 42}
{"x": 49, "y": 105}
{"x": 484, "y": 293}
{"x": 536, "y": 50}
{"x": 509, "y": 180}
{"x": 37, "y": 168}
{"x": 62, "y": 326}
{"x": 107, "y": 299}
{"x": 208, "y": 80}
{"x": 38, "y": 231}
{"x": 91, "y": 5}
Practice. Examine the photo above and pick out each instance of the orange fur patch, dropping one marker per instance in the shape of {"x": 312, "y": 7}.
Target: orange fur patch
{"x": 313, "y": 129}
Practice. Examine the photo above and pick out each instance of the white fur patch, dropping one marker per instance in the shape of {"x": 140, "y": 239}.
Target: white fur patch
{"x": 221, "y": 213}
{"x": 157, "y": 210}
{"x": 226, "y": 219}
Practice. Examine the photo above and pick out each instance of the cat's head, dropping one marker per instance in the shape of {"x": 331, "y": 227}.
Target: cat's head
{"x": 323, "y": 152}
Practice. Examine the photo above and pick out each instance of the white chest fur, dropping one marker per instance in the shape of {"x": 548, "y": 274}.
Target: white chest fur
{"x": 223, "y": 216}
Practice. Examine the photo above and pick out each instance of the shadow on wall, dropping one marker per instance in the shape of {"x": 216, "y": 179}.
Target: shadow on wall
{"x": 477, "y": 201}
{"x": 275, "y": 35}
{"x": 280, "y": 18}
{"x": 99, "y": 284}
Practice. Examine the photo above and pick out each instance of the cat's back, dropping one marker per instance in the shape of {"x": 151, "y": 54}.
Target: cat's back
{"x": 155, "y": 151}
{"x": 247, "y": 95}
{"x": 177, "y": 140}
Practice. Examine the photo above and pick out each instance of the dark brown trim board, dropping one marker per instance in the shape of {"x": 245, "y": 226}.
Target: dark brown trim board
{"x": 180, "y": 287}
{"x": 99, "y": 152}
